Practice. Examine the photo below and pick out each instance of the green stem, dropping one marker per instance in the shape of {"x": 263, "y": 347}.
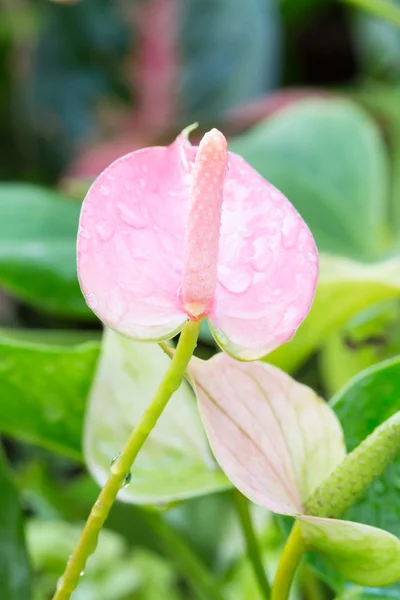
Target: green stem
{"x": 187, "y": 561}
{"x": 312, "y": 586}
{"x": 290, "y": 560}
{"x": 381, "y": 8}
{"x": 253, "y": 548}
{"x": 122, "y": 465}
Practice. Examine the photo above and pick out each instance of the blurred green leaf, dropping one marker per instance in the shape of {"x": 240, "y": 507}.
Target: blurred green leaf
{"x": 44, "y": 391}
{"x": 368, "y": 400}
{"x": 114, "y": 572}
{"x": 383, "y": 102}
{"x": 345, "y": 287}
{"x": 38, "y": 230}
{"x": 14, "y": 568}
{"x": 175, "y": 462}
{"x": 237, "y": 60}
{"x": 328, "y": 158}
{"x": 368, "y": 338}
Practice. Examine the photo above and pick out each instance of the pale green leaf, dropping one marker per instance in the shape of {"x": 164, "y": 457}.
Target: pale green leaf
{"x": 360, "y": 553}
{"x": 175, "y": 462}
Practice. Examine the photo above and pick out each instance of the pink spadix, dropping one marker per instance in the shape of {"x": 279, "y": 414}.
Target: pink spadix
{"x": 199, "y": 277}
{"x": 174, "y": 233}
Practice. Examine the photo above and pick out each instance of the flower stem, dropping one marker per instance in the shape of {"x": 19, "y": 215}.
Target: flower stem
{"x": 290, "y": 560}
{"x": 312, "y": 586}
{"x": 253, "y": 548}
{"x": 122, "y": 465}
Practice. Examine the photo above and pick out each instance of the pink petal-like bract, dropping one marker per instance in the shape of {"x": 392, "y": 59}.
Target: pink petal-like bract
{"x": 171, "y": 233}
{"x": 274, "y": 438}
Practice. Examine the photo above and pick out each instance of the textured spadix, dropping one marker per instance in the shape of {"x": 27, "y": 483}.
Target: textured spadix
{"x": 151, "y": 220}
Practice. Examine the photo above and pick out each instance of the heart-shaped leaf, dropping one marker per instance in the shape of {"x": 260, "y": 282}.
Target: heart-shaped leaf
{"x": 362, "y": 554}
{"x": 274, "y": 438}
{"x": 328, "y": 158}
{"x": 345, "y": 287}
{"x": 175, "y": 462}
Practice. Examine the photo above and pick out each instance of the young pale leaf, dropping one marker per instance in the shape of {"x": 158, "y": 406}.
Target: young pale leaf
{"x": 43, "y": 392}
{"x": 275, "y": 439}
{"x": 37, "y": 252}
{"x": 14, "y": 568}
{"x": 175, "y": 462}
{"x": 328, "y": 158}
{"x": 360, "y": 553}
{"x": 344, "y": 288}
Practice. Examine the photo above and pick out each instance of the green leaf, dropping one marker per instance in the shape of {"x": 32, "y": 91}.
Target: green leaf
{"x": 231, "y": 64}
{"x": 175, "y": 462}
{"x": 38, "y": 230}
{"x": 43, "y": 392}
{"x": 368, "y": 400}
{"x": 360, "y": 553}
{"x": 14, "y": 567}
{"x": 345, "y": 287}
{"x": 368, "y": 338}
{"x": 328, "y": 158}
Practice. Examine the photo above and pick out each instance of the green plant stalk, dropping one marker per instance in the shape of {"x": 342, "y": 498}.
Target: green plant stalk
{"x": 290, "y": 560}
{"x": 122, "y": 465}
{"x": 253, "y": 548}
{"x": 381, "y": 8}
{"x": 357, "y": 471}
{"x": 311, "y": 585}
{"x": 339, "y": 491}
{"x": 187, "y": 561}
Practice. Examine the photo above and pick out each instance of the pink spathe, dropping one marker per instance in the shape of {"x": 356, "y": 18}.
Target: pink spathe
{"x": 150, "y": 226}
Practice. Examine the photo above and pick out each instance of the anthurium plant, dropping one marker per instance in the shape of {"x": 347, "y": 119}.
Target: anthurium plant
{"x": 205, "y": 399}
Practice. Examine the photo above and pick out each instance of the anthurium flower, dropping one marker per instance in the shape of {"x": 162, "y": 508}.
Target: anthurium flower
{"x": 277, "y": 441}
{"x": 182, "y": 232}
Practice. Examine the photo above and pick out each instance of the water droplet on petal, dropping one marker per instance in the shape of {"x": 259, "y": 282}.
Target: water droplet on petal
{"x": 236, "y": 282}
{"x": 91, "y": 301}
{"x": 289, "y": 315}
{"x": 132, "y": 215}
{"x": 85, "y": 233}
{"x": 105, "y": 190}
{"x": 290, "y": 231}
{"x": 105, "y": 229}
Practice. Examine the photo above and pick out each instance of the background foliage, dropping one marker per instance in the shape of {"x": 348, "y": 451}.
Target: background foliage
{"x": 309, "y": 94}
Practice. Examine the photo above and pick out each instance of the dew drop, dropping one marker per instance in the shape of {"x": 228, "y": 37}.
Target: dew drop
{"x": 91, "y": 301}
{"x": 85, "y": 233}
{"x": 105, "y": 190}
{"x": 236, "y": 282}
{"x": 81, "y": 574}
{"x": 289, "y": 315}
{"x": 127, "y": 480}
{"x": 105, "y": 229}
{"x": 132, "y": 215}
{"x": 290, "y": 232}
